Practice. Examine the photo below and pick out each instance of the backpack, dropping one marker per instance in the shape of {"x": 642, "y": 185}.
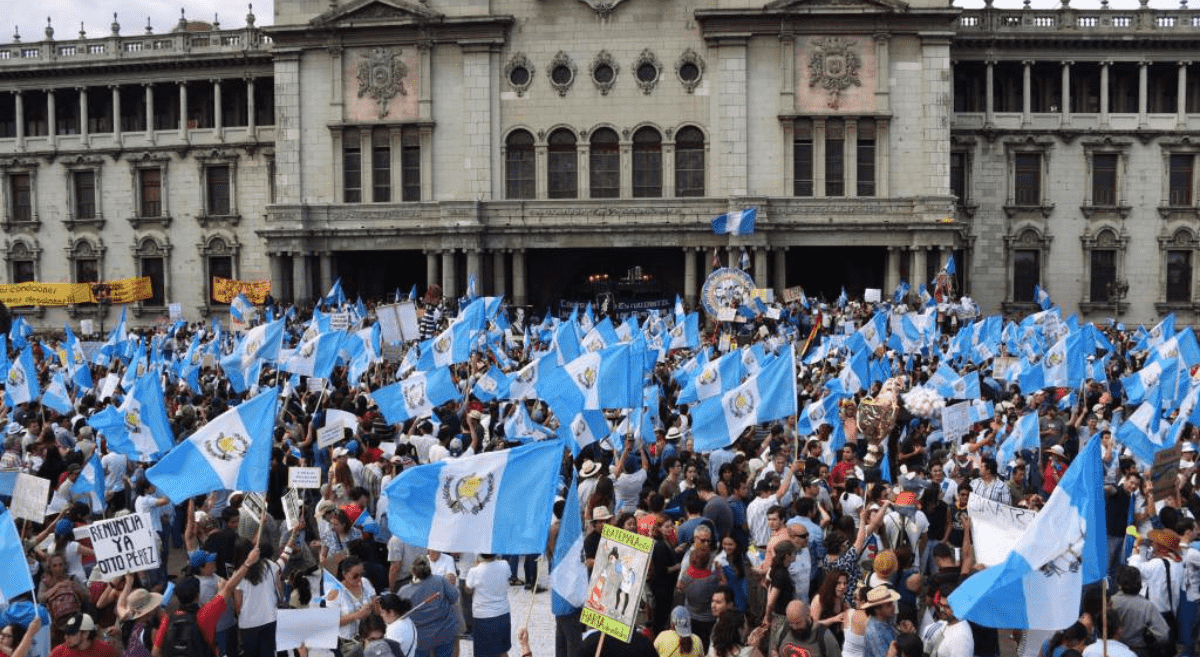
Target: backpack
{"x": 184, "y": 638}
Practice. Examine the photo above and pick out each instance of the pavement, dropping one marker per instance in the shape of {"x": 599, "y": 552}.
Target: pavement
{"x": 527, "y": 608}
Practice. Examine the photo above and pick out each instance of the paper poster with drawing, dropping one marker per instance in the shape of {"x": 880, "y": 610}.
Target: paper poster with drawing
{"x": 618, "y": 576}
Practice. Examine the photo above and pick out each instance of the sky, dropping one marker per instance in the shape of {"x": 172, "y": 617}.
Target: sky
{"x": 96, "y": 17}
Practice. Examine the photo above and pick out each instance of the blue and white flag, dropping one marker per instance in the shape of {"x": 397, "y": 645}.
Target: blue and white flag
{"x": 735, "y": 223}
{"x": 856, "y": 372}
{"x": 1040, "y": 585}
{"x": 76, "y": 363}
{"x": 568, "y": 574}
{"x": 232, "y": 452}
{"x": 686, "y": 332}
{"x": 492, "y": 503}
{"x": 335, "y": 296}
{"x": 56, "y": 396}
{"x": 241, "y": 308}
{"x": 90, "y": 484}
{"x": 415, "y": 396}
{"x": 1143, "y": 432}
{"x": 1140, "y": 384}
{"x": 818, "y": 412}
{"x": 139, "y": 429}
{"x": 1065, "y": 362}
{"x": 14, "y": 570}
{"x": 1042, "y": 297}
{"x": 770, "y": 395}
{"x": 1024, "y": 435}
{"x": 950, "y": 267}
{"x": 492, "y": 384}
{"x": 713, "y": 378}
{"x": 316, "y": 356}
{"x": 21, "y": 384}
{"x": 519, "y": 427}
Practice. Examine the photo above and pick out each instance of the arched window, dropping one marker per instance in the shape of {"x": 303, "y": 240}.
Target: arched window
{"x": 647, "y": 163}
{"x": 689, "y": 162}
{"x": 519, "y": 166}
{"x": 563, "y": 165}
{"x": 605, "y": 164}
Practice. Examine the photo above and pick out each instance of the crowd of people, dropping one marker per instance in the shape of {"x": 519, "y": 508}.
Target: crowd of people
{"x": 842, "y": 540}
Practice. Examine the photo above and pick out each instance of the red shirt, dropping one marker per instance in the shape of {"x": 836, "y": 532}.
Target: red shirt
{"x": 97, "y": 649}
{"x": 206, "y": 618}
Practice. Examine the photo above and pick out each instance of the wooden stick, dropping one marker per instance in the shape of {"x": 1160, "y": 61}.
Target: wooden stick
{"x": 1104, "y": 616}
{"x": 537, "y": 573}
{"x": 600, "y": 644}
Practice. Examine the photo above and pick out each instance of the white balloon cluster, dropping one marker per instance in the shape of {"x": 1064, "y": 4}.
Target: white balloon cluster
{"x": 924, "y": 402}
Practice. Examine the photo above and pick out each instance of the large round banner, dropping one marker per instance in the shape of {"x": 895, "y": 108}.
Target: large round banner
{"x": 725, "y": 288}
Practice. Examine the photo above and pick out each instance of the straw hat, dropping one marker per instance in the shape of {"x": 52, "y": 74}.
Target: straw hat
{"x": 589, "y": 469}
{"x": 1165, "y": 540}
{"x": 140, "y": 602}
{"x": 1058, "y": 451}
{"x": 880, "y": 595}
{"x": 601, "y": 513}
{"x": 885, "y": 563}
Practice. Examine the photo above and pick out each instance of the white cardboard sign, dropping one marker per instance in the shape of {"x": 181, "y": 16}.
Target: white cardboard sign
{"x": 124, "y": 545}
{"x": 29, "y": 498}
{"x": 304, "y": 477}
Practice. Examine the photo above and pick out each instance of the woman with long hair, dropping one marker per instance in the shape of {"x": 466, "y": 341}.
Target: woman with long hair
{"x": 662, "y": 574}
{"x": 335, "y": 543}
{"x": 829, "y": 605}
{"x": 737, "y": 570}
{"x": 62, "y": 594}
{"x": 854, "y": 627}
{"x": 727, "y": 637}
{"x": 781, "y": 589}
{"x": 257, "y": 598}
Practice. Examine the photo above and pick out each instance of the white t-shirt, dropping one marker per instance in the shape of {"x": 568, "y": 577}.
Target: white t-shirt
{"x": 259, "y": 602}
{"x": 405, "y": 633}
{"x": 350, "y": 604}
{"x": 149, "y": 504}
{"x": 444, "y": 566}
{"x": 1115, "y": 649}
{"x": 489, "y": 582}
{"x": 957, "y": 641}
{"x": 115, "y": 468}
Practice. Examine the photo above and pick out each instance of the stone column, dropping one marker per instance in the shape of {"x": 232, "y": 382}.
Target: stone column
{"x": 218, "y": 117}
{"x": 277, "y": 275}
{"x": 498, "y": 278}
{"x": 780, "y": 277}
{"x": 733, "y": 133}
{"x": 51, "y": 117}
{"x": 20, "y": 101}
{"x": 290, "y": 187}
{"x": 301, "y": 281}
{"x": 83, "y": 113}
{"x": 689, "y": 276}
{"x": 1104, "y": 66}
{"x": 892, "y": 278}
{"x": 431, "y": 268}
{"x": 449, "y": 275}
{"x": 916, "y": 272}
{"x": 1026, "y": 92}
{"x": 520, "y": 297}
{"x": 541, "y": 171}
{"x": 1066, "y": 93}
{"x": 1181, "y": 96}
{"x": 149, "y": 109}
{"x": 250, "y": 103}
{"x": 1143, "y": 92}
{"x": 989, "y": 103}
{"x": 116, "y": 115}
{"x": 474, "y": 269}
{"x": 326, "y": 273}
{"x": 819, "y": 157}
{"x": 183, "y": 106}
{"x": 760, "y": 267}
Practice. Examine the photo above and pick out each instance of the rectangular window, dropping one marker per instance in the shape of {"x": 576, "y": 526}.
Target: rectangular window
{"x": 865, "y": 158}
{"x": 21, "y": 193}
{"x": 351, "y": 167}
{"x": 150, "y": 186}
{"x": 563, "y": 179}
{"x": 958, "y": 176}
{"x": 1179, "y": 276}
{"x": 1181, "y": 179}
{"x": 410, "y": 166}
{"x": 218, "y": 266}
{"x": 802, "y": 159}
{"x": 87, "y": 270}
{"x": 647, "y": 173}
{"x": 22, "y": 271}
{"x": 152, "y": 267}
{"x": 1027, "y": 183}
{"x": 1104, "y": 179}
{"x": 1104, "y": 273}
{"x": 218, "y": 190}
{"x": 381, "y": 165}
{"x": 605, "y": 171}
{"x": 835, "y": 158}
{"x": 1027, "y": 273}
{"x": 85, "y": 194}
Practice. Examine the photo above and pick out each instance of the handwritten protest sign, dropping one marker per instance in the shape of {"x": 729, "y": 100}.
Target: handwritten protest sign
{"x": 304, "y": 477}
{"x": 314, "y": 628}
{"x": 792, "y": 294}
{"x": 225, "y": 289}
{"x": 291, "y": 508}
{"x": 329, "y": 435}
{"x": 956, "y": 420}
{"x": 29, "y": 497}
{"x": 615, "y": 589}
{"x": 995, "y": 528}
{"x": 872, "y": 295}
{"x": 1164, "y": 474}
{"x": 124, "y": 545}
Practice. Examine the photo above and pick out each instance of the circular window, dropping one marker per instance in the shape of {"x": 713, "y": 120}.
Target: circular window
{"x": 561, "y": 74}
{"x": 647, "y": 72}
{"x": 603, "y": 74}
{"x": 519, "y": 76}
{"x": 689, "y": 72}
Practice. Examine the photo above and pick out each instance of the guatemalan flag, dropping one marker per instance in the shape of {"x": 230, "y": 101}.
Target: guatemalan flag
{"x": 139, "y": 429}
{"x": 490, "y": 503}
{"x": 232, "y": 452}
{"x": 1042, "y": 297}
{"x": 568, "y": 575}
{"x": 1040, "y": 585}
{"x": 14, "y": 571}
{"x": 816, "y": 413}
{"x": 91, "y": 483}
{"x": 21, "y": 385}
{"x": 735, "y": 223}
{"x": 769, "y": 395}
{"x": 415, "y": 396}
{"x": 56, "y": 396}
{"x": 1024, "y": 435}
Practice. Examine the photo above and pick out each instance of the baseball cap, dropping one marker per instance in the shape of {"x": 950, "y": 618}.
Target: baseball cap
{"x": 682, "y": 621}
{"x": 198, "y": 558}
{"x": 78, "y": 622}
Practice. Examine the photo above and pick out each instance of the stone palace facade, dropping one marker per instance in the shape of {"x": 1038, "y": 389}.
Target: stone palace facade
{"x": 537, "y": 146}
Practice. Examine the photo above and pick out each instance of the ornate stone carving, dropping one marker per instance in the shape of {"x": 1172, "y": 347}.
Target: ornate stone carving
{"x": 642, "y": 68}
{"x": 562, "y": 72}
{"x": 833, "y": 66}
{"x": 604, "y": 69}
{"x": 690, "y": 70}
{"x": 381, "y": 76}
{"x": 602, "y": 8}
{"x": 513, "y": 74}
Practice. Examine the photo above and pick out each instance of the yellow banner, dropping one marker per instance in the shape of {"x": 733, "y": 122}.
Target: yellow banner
{"x": 225, "y": 289}
{"x": 45, "y": 294}
{"x": 129, "y": 290}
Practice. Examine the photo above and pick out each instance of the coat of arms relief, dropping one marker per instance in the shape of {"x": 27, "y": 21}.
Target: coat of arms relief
{"x": 381, "y": 76}
{"x": 833, "y": 66}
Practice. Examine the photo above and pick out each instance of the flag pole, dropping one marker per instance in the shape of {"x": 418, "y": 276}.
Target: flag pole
{"x": 1104, "y": 615}
{"x": 529, "y": 611}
